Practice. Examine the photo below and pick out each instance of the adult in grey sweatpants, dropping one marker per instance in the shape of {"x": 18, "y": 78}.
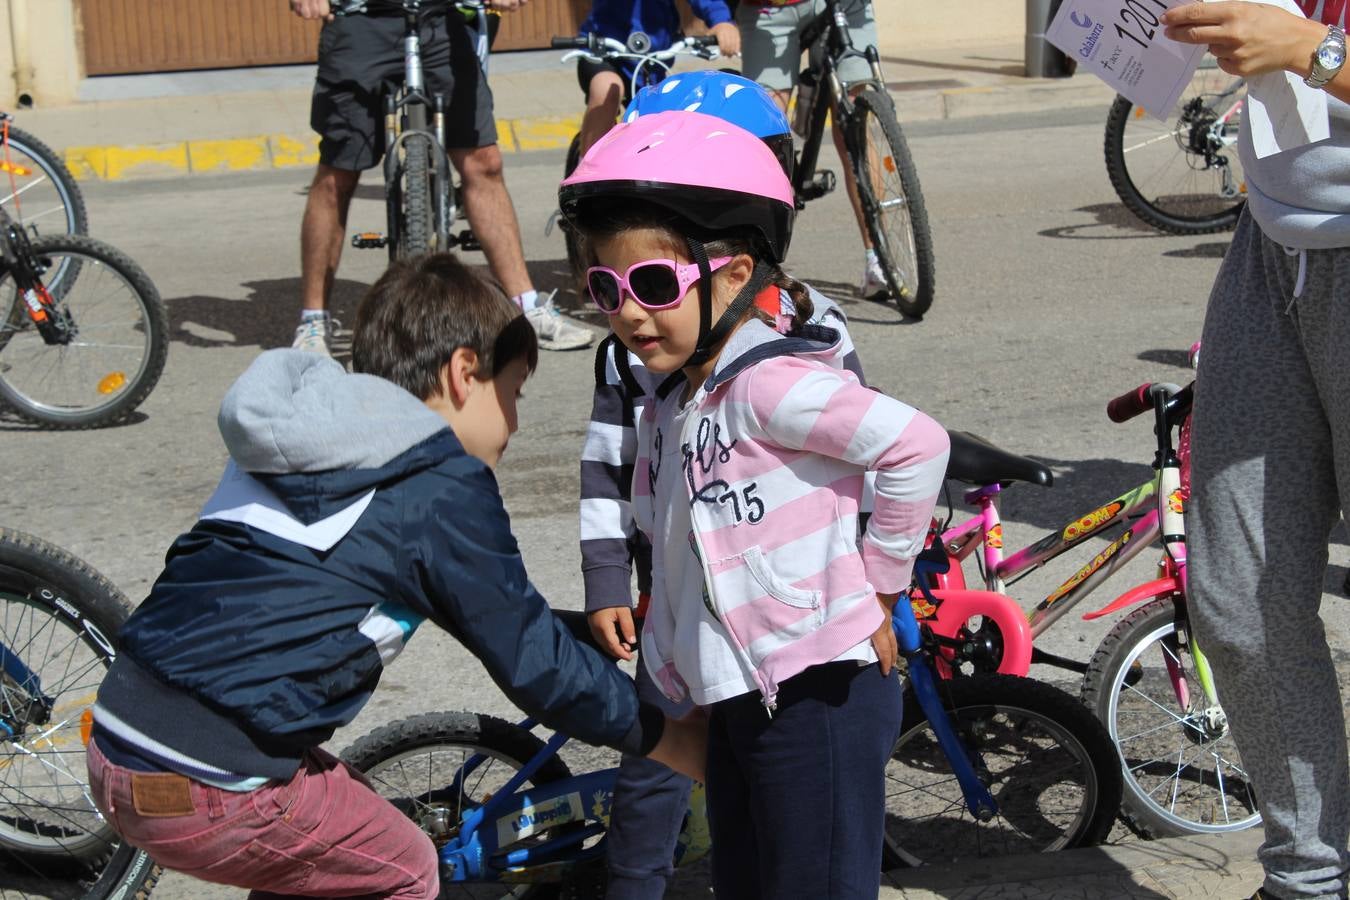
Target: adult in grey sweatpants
{"x": 1271, "y": 472}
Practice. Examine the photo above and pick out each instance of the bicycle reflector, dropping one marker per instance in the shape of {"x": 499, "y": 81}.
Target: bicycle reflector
{"x": 14, "y": 168}
{"x": 86, "y": 725}
{"x": 112, "y": 383}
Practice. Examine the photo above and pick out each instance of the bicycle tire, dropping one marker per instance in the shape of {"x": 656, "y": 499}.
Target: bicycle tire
{"x": 575, "y": 264}
{"x": 50, "y": 600}
{"x": 1194, "y": 204}
{"x": 382, "y": 752}
{"x": 99, "y": 393}
{"x": 1137, "y": 716}
{"x": 1000, "y": 717}
{"x": 73, "y": 215}
{"x": 898, "y": 220}
{"x": 416, "y": 236}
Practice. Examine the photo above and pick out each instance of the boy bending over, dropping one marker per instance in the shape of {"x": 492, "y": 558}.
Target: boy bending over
{"x": 348, "y": 513}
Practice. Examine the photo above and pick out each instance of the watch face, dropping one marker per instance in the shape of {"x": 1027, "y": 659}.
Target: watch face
{"x": 1331, "y": 56}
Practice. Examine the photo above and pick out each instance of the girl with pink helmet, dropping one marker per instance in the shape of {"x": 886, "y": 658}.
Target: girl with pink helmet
{"x": 768, "y": 609}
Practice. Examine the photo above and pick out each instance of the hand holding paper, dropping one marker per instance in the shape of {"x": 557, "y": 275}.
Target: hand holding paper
{"x": 1269, "y": 42}
{"x": 1123, "y": 43}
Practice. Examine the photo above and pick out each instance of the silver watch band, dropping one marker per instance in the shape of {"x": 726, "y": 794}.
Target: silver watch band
{"x": 1319, "y": 74}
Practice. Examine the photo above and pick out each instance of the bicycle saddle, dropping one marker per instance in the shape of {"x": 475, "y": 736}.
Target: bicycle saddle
{"x": 976, "y": 461}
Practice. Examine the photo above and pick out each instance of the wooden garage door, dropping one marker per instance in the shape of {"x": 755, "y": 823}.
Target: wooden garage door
{"x": 125, "y": 36}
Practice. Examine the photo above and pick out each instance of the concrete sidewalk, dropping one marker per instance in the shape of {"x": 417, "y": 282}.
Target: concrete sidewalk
{"x": 1212, "y": 866}
{"x": 195, "y": 123}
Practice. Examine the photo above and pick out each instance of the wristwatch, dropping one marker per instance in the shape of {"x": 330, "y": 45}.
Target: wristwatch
{"x": 1328, "y": 58}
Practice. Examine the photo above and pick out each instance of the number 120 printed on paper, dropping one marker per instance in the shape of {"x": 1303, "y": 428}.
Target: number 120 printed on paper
{"x": 1122, "y": 42}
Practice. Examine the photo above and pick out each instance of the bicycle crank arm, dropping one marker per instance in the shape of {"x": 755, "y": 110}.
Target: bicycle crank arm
{"x": 1060, "y": 662}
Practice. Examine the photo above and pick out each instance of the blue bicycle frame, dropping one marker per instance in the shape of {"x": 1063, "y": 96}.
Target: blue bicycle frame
{"x": 510, "y": 814}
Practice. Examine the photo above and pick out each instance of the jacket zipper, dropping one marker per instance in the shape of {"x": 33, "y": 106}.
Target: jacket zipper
{"x": 770, "y": 704}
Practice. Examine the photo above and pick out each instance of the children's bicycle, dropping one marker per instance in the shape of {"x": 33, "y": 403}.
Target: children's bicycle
{"x": 59, "y": 621}
{"x": 1147, "y": 680}
{"x": 985, "y": 765}
{"x": 1182, "y": 176}
{"x": 83, "y": 331}
{"x": 649, "y": 66}
{"x": 422, "y": 201}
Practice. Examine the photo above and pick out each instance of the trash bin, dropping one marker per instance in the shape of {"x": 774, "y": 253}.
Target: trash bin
{"x": 1044, "y": 59}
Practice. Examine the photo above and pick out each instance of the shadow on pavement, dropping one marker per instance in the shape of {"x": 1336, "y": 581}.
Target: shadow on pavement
{"x": 1114, "y": 222}
{"x": 266, "y": 318}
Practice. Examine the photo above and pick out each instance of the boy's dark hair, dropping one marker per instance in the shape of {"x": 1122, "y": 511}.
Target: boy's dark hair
{"x": 423, "y": 309}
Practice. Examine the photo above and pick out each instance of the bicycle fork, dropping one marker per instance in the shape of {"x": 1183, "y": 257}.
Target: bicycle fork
{"x": 978, "y": 799}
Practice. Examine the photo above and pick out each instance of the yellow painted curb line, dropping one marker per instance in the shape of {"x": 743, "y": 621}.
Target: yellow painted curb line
{"x": 273, "y": 151}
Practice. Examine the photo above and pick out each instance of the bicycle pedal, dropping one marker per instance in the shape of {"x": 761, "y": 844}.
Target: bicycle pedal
{"x": 367, "y": 240}
{"x": 822, "y": 184}
{"x": 465, "y": 241}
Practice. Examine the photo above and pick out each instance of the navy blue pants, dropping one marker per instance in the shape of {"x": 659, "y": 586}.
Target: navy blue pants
{"x": 797, "y": 802}
{"x": 650, "y": 802}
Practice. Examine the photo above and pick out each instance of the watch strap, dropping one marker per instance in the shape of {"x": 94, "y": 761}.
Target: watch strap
{"x": 1319, "y": 75}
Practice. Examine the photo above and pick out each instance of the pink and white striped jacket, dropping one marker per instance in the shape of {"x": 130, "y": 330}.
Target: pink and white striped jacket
{"x": 773, "y": 463}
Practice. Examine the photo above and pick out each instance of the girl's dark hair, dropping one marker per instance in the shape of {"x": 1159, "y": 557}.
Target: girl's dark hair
{"x": 421, "y": 310}
{"x": 603, "y": 220}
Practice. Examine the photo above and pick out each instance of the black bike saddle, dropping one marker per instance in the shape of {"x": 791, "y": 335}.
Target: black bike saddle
{"x": 977, "y": 461}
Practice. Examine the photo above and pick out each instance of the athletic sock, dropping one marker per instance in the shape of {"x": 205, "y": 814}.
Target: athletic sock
{"x": 526, "y": 301}
{"x": 312, "y": 315}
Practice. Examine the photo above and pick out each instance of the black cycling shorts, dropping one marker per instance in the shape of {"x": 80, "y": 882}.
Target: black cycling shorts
{"x": 587, "y": 69}
{"x": 359, "y": 55}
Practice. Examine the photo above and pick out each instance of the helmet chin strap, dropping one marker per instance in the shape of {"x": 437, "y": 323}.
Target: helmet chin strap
{"x": 711, "y": 336}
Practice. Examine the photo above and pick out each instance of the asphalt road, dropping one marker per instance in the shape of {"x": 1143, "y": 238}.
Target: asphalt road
{"x": 1050, "y": 300}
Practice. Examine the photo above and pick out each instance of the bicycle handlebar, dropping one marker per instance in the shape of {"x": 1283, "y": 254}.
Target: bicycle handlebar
{"x": 1130, "y": 404}
{"x": 606, "y": 48}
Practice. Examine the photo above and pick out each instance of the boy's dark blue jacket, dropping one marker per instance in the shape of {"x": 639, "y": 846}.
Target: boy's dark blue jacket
{"x": 660, "y": 19}
{"x": 350, "y": 513}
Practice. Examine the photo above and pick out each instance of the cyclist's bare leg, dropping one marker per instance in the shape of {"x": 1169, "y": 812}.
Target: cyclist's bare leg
{"x": 603, "y": 98}
{"x": 323, "y": 230}
{"x": 491, "y": 215}
{"x": 850, "y": 183}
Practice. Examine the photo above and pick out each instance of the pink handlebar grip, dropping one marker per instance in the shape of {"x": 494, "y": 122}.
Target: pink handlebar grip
{"x": 1129, "y": 404}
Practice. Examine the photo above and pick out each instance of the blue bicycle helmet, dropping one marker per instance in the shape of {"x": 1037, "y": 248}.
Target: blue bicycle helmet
{"x": 727, "y": 96}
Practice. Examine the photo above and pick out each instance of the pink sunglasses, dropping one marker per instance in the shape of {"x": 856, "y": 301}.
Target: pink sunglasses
{"x": 654, "y": 283}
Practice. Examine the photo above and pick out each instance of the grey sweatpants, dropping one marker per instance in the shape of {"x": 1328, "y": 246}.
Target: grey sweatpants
{"x": 1270, "y": 476}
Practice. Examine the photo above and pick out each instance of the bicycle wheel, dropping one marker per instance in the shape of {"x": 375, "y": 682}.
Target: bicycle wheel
{"x": 59, "y": 621}
{"x": 416, "y": 233}
{"x": 413, "y": 763}
{"x": 1182, "y": 176}
{"x": 1048, "y": 763}
{"x": 1183, "y": 773}
{"x": 888, "y": 187}
{"x": 37, "y": 189}
{"x": 120, "y": 338}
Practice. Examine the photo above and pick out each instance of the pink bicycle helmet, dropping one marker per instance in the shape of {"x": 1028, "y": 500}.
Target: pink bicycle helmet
{"x": 714, "y": 174}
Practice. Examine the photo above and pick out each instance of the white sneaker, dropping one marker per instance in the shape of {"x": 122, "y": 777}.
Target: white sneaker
{"x": 554, "y": 331}
{"x": 316, "y": 335}
{"x": 874, "y": 286}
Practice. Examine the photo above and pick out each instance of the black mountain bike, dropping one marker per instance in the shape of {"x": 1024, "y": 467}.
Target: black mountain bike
{"x": 421, "y": 197}
{"x": 59, "y": 621}
{"x": 879, "y": 158}
{"x": 83, "y": 332}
